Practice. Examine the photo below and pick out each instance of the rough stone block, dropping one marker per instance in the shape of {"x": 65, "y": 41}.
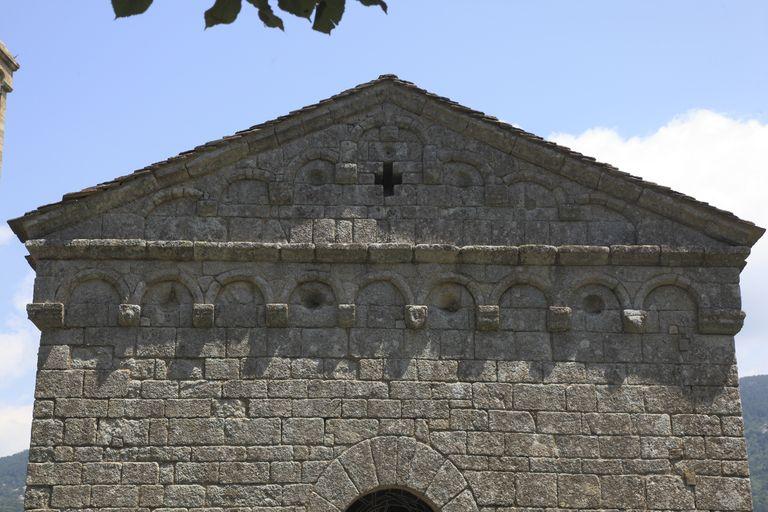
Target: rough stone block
{"x": 46, "y": 315}
{"x": 346, "y": 315}
{"x": 537, "y": 254}
{"x": 277, "y": 315}
{"x": 487, "y": 317}
{"x": 721, "y": 321}
{"x": 559, "y": 318}
{"x": 203, "y": 315}
{"x": 415, "y": 316}
{"x": 346, "y": 173}
{"x": 634, "y": 320}
{"x": 583, "y": 255}
{"x": 390, "y": 253}
{"x": 129, "y": 315}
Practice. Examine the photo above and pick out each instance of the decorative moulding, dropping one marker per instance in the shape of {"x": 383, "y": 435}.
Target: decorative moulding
{"x": 46, "y": 315}
{"x": 415, "y": 316}
{"x": 559, "y": 318}
{"x": 487, "y": 317}
{"x": 277, "y": 315}
{"x": 129, "y": 315}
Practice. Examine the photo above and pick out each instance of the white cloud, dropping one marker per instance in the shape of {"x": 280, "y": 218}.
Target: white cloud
{"x": 707, "y": 155}
{"x": 6, "y": 235}
{"x": 18, "y": 347}
{"x": 714, "y": 158}
{"x": 15, "y": 424}
{"x": 18, "y": 337}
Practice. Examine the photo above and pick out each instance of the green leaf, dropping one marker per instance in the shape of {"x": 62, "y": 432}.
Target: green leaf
{"x": 327, "y": 15}
{"x": 223, "y": 11}
{"x": 301, "y": 8}
{"x": 267, "y": 15}
{"x": 380, "y": 3}
{"x": 125, "y": 8}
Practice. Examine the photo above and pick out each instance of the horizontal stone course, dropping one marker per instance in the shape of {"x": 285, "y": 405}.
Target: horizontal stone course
{"x": 625, "y": 255}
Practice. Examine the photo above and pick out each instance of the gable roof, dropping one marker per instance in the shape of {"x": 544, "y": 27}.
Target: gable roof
{"x": 602, "y": 177}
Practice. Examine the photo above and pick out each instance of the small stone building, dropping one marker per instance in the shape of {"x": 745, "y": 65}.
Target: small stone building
{"x": 385, "y": 302}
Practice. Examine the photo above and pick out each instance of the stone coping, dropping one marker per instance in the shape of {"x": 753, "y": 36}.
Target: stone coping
{"x": 569, "y": 255}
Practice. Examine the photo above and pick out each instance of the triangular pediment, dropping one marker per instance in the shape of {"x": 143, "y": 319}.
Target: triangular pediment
{"x": 386, "y": 162}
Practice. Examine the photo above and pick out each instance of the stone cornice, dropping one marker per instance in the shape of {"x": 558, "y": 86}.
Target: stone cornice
{"x": 567, "y": 255}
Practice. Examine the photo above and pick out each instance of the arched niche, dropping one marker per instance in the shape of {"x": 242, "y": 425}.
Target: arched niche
{"x": 595, "y": 308}
{"x": 464, "y": 184}
{"x": 312, "y": 304}
{"x": 239, "y": 303}
{"x": 390, "y": 500}
{"x": 167, "y": 303}
{"x": 316, "y": 173}
{"x": 92, "y": 302}
{"x": 173, "y": 216}
{"x": 533, "y": 201}
{"x": 606, "y": 226}
{"x": 243, "y": 196}
{"x": 315, "y": 183}
{"x": 523, "y": 307}
{"x": 380, "y": 305}
{"x": 671, "y": 309}
{"x": 451, "y": 306}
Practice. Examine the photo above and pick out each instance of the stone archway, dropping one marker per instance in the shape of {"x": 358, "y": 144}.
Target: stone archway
{"x": 390, "y": 462}
{"x": 389, "y": 500}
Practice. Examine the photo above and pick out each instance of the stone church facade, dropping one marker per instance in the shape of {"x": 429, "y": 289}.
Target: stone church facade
{"x": 385, "y": 301}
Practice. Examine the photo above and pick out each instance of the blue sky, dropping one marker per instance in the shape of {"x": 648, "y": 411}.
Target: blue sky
{"x": 674, "y": 91}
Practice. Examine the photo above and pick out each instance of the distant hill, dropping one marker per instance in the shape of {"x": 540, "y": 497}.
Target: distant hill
{"x": 13, "y": 471}
{"x": 754, "y": 400}
{"x": 754, "y": 397}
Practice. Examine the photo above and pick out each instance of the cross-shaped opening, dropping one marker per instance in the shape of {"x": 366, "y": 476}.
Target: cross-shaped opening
{"x": 388, "y": 179}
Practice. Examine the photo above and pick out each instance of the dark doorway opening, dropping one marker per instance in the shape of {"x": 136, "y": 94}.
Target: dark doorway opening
{"x": 389, "y": 500}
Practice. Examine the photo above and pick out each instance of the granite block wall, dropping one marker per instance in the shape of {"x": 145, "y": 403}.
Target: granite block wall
{"x": 385, "y": 291}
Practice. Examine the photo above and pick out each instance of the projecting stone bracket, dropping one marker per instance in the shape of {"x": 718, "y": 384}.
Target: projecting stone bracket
{"x": 46, "y": 315}
{"x": 634, "y": 320}
{"x": 721, "y": 321}
{"x": 559, "y": 319}
{"x": 277, "y": 315}
{"x": 487, "y": 318}
{"x": 203, "y": 315}
{"x": 129, "y": 315}
{"x": 415, "y": 316}
{"x": 346, "y": 315}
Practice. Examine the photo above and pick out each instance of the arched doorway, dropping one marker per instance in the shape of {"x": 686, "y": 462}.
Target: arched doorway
{"x": 389, "y": 500}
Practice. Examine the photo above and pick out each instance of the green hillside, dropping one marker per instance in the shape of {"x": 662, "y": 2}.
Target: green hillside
{"x": 754, "y": 396}
{"x": 13, "y": 470}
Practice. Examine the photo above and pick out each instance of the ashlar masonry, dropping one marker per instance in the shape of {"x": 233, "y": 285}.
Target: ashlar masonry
{"x": 385, "y": 301}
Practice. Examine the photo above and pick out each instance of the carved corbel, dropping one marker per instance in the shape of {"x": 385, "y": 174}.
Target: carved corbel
{"x": 277, "y": 315}
{"x": 634, "y": 320}
{"x": 46, "y": 315}
{"x": 129, "y": 315}
{"x": 487, "y": 318}
{"x": 559, "y": 319}
{"x": 415, "y": 316}
{"x": 203, "y": 315}
{"x": 346, "y": 315}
